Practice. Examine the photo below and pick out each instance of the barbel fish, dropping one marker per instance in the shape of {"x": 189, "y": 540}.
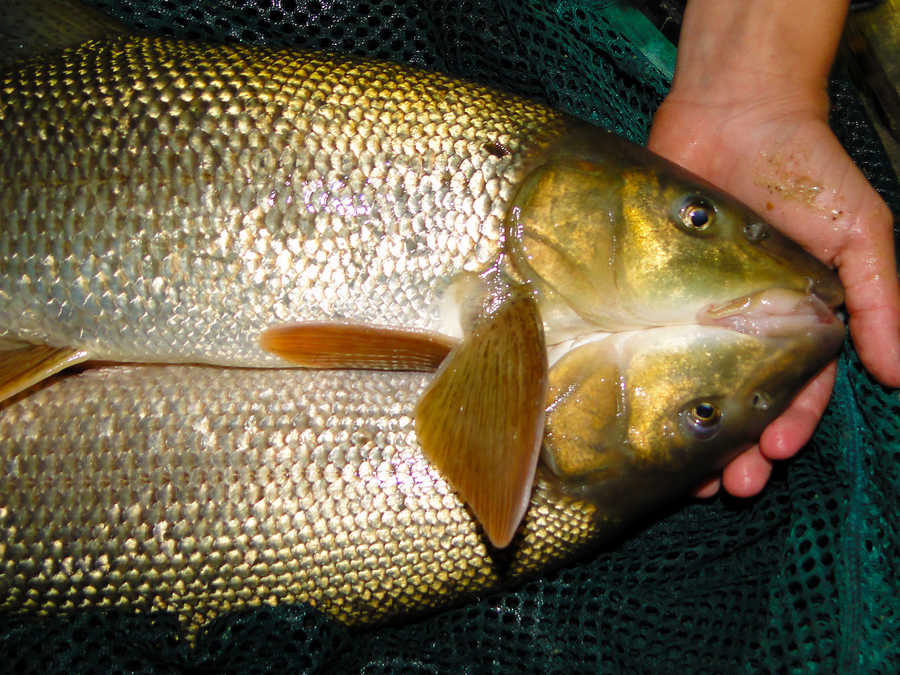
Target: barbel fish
{"x": 179, "y": 202}
{"x": 198, "y": 491}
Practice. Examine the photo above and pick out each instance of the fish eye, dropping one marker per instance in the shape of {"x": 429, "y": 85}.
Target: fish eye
{"x": 696, "y": 215}
{"x": 703, "y": 418}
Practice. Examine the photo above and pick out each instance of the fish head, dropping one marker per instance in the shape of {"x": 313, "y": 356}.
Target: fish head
{"x": 640, "y": 416}
{"x": 621, "y": 238}
{"x": 683, "y": 244}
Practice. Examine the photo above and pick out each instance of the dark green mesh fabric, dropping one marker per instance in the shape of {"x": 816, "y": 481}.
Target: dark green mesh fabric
{"x": 800, "y": 579}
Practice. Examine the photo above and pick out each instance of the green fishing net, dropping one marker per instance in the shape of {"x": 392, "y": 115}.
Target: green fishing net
{"x": 801, "y": 578}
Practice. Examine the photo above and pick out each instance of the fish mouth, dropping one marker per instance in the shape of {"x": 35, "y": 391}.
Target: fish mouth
{"x": 775, "y": 312}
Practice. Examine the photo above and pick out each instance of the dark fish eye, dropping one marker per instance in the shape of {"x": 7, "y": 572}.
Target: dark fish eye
{"x": 705, "y": 413}
{"x": 697, "y": 215}
{"x": 703, "y": 418}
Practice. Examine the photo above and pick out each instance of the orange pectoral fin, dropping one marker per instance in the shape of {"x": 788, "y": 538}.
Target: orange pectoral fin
{"x": 22, "y": 364}
{"x": 481, "y": 420}
{"x": 356, "y": 346}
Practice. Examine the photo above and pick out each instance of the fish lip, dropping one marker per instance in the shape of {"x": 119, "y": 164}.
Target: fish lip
{"x": 774, "y": 312}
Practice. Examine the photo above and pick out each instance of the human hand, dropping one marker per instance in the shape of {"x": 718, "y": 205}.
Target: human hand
{"x": 760, "y": 132}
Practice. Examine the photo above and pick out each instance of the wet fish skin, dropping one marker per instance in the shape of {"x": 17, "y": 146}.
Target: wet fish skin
{"x": 168, "y": 201}
{"x": 171, "y": 201}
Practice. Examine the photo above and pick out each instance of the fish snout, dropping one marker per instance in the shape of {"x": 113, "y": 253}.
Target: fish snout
{"x": 820, "y": 279}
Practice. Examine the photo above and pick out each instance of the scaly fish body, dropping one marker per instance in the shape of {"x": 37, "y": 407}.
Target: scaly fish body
{"x": 199, "y": 490}
{"x": 169, "y": 201}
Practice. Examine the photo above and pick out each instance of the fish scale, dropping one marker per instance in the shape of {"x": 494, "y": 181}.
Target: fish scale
{"x": 215, "y": 187}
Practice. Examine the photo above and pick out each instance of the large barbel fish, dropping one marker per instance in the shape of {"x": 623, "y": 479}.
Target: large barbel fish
{"x": 199, "y": 491}
{"x": 171, "y": 201}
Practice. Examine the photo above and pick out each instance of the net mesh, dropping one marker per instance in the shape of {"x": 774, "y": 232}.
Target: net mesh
{"x": 801, "y": 578}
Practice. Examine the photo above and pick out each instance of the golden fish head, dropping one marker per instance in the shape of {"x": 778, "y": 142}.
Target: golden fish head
{"x": 656, "y": 411}
{"x": 622, "y": 238}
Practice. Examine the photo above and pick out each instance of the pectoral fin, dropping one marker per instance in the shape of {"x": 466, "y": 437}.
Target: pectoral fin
{"x": 336, "y": 345}
{"x": 481, "y": 420}
{"x": 23, "y": 364}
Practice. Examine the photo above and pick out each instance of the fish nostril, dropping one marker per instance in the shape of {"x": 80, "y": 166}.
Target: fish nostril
{"x": 755, "y": 231}
{"x": 761, "y": 400}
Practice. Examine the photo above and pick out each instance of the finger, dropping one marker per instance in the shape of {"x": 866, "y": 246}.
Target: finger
{"x": 868, "y": 272}
{"x": 747, "y": 475}
{"x": 795, "y": 426}
{"x": 708, "y": 489}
